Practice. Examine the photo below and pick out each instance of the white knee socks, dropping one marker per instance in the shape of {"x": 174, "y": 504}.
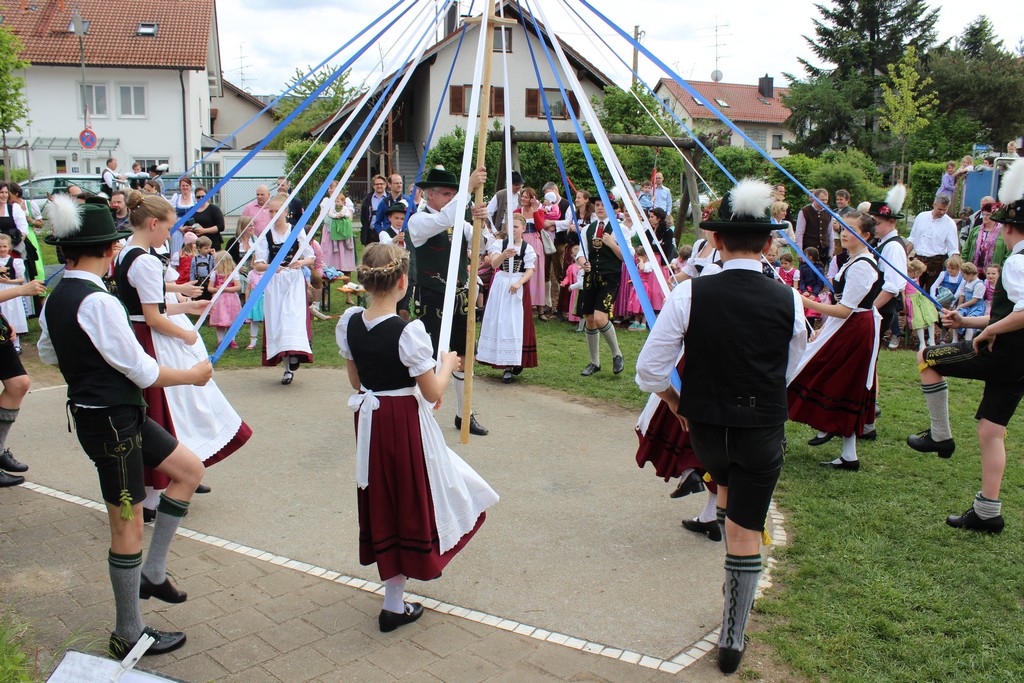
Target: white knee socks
{"x": 394, "y": 594}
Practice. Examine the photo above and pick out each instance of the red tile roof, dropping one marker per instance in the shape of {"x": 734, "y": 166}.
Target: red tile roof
{"x": 181, "y": 41}
{"x": 744, "y": 101}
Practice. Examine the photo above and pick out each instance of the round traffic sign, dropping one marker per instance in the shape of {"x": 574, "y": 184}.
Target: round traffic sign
{"x": 88, "y": 138}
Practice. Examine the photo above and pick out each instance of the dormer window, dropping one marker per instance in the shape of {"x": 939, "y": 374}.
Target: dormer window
{"x": 722, "y": 103}
{"x": 697, "y": 101}
{"x": 146, "y": 28}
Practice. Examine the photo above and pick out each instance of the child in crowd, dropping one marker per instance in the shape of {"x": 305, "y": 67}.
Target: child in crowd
{"x": 991, "y": 277}
{"x": 574, "y": 281}
{"x": 256, "y": 313}
{"x": 203, "y": 266}
{"x": 810, "y": 283}
{"x": 12, "y": 274}
{"x": 400, "y": 451}
{"x": 185, "y": 256}
{"x": 787, "y": 272}
{"x": 646, "y": 268}
{"x": 972, "y": 300}
{"x": 507, "y": 335}
{"x": 770, "y": 261}
{"x": 924, "y": 314}
{"x": 227, "y": 306}
{"x": 952, "y": 281}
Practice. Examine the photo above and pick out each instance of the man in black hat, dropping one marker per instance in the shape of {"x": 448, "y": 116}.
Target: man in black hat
{"x": 431, "y": 233}
{"x": 501, "y": 203}
{"x": 733, "y": 393}
{"x": 602, "y": 267}
{"x": 85, "y": 331}
{"x": 995, "y": 356}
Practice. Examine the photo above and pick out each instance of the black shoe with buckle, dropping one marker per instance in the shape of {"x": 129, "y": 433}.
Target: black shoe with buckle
{"x": 970, "y": 520}
{"x": 389, "y": 621}
{"x": 618, "y": 364}
{"x": 591, "y": 369}
{"x": 475, "y": 427}
{"x": 691, "y": 483}
{"x": 924, "y": 443}
{"x": 819, "y": 440}
{"x": 9, "y": 463}
{"x": 166, "y": 641}
{"x": 851, "y": 465}
{"x": 713, "y": 529}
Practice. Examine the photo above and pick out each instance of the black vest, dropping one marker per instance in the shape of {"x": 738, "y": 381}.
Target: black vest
{"x": 432, "y": 261}
{"x": 518, "y": 261}
{"x": 273, "y": 247}
{"x": 375, "y": 353}
{"x": 840, "y": 284}
{"x": 1002, "y": 306}
{"x": 737, "y": 350}
{"x": 817, "y": 230}
{"x": 91, "y": 381}
{"x": 128, "y": 295}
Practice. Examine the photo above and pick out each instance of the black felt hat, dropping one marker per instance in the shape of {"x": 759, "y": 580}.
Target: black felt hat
{"x": 744, "y": 209}
{"x": 892, "y": 205}
{"x": 397, "y": 207}
{"x": 438, "y": 177}
{"x": 73, "y": 224}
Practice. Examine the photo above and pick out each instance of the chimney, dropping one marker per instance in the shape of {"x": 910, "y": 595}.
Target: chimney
{"x": 451, "y": 23}
{"x": 766, "y": 87}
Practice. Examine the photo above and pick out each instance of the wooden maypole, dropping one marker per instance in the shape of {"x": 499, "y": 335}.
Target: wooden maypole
{"x": 493, "y": 22}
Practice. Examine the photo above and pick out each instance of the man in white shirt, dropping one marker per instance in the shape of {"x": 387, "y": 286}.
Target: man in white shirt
{"x": 933, "y": 238}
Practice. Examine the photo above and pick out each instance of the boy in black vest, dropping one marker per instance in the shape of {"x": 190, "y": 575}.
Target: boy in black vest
{"x": 603, "y": 276}
{"x": 733, "y": 393}
{"x": 995, "y": 356}
{"x": 86, "y": 332}
{"x": 431, "y": 233}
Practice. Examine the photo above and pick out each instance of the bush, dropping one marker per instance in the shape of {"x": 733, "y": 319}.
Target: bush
{"x": 855, "y": 158}
{"x": 925, "y": 178}
{"x": 801, "y": 167}
{"x": 742, "y": 162}
{"x": 845, "y": 176}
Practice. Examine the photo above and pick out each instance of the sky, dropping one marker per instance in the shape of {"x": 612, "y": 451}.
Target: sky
{"x": 263, "y": 42}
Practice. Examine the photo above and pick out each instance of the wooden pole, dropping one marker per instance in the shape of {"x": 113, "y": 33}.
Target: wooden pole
{"x": 691, "y": 185}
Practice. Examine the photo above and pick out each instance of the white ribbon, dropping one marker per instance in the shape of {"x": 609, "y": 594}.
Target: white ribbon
{"x": 365, "y": 403}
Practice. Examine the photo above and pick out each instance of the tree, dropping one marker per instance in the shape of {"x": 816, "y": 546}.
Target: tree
{"x": 856, "y": 39}
{"x": 328, "y": 103}
{"x": 908, "y": 103}
{"x": 13, "y": 105}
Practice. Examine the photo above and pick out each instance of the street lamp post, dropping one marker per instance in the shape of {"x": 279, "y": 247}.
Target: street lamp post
{"x": 79, "y": 27}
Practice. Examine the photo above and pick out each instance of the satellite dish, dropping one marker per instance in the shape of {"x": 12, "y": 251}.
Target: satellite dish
{"x": 716, "y": 75}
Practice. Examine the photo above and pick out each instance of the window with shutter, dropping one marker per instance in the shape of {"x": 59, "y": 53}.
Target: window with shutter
{"x": 497, "y": 101}
{"x": 573, "y": 102}
{"x": 457, "y": 100}
{"x": 533, "y": 103}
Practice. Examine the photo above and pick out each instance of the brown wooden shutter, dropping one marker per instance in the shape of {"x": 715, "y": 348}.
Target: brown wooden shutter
{"x": 457, "y": 100}
{"x": 574, "y": 103}
{"x": 497, "y": 101}
{"x": 533, "y": 102}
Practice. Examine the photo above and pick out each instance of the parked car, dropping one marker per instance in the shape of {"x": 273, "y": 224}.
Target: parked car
{"x": 39, "y": 188}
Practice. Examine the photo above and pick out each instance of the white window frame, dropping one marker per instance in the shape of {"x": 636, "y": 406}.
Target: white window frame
{"x": 145, "y": 101}
{"x": 93, "y": 114}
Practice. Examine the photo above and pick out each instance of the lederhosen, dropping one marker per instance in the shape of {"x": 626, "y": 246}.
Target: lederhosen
{"x": 431, "y": 273}
{"x": 1000, "y": 366}
{"x": 601, "y": 284}
{"x": 117, "y": 437}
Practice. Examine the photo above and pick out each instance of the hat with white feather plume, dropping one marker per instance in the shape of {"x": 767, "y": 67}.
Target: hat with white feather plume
{"x": 72, "y": 223}
{"x": 1011, "y": 196}
{"x": 893, "y": 204}
{"x": 744, "y": 209}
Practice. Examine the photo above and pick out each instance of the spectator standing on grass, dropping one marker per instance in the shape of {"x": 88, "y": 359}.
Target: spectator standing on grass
{"x": 933, "y": 239}
{"x": 368, "y": 210}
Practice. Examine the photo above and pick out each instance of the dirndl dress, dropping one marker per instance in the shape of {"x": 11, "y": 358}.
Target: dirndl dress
{"x": 507, "y": 335}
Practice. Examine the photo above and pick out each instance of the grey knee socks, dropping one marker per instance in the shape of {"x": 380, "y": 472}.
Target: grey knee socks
{"x": 168, "y": 516}
{"x": 124, "y": 579}
{"x": 741, "y": 575}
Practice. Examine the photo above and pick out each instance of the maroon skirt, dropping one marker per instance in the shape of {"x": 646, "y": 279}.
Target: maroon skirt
{"x": 156, "y": 405}
{"x": 830, "y": 394}
{"x": 529, "y": 357}
{"x": 301, "y": 355}
{"x": 667, "y": 445}
{"x": 397, "y": 530}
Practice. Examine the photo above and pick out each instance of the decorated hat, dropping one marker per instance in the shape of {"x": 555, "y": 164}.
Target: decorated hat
{"x": 438, "y": 177}
{"x": 397, "y": 207}
{"x": 892, "y": 205}
{"x": 517, "y": 179}
{"x": 74, "y": 224}
{"x": 1011, "y": 196}
{"x": 744, "y": 209}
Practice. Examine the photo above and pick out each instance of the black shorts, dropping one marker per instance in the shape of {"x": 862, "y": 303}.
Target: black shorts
{"x": 1002, "y": 371}
{"x": 430, "y": 305}
{"x": 10, "y": 362}
{"x": 747, "y": 460}
{"x": 599, "y": 293}
{"x": 120, "y": 441}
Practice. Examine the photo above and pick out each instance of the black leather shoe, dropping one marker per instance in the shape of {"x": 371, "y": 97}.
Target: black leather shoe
{"x": 713, "y": 529}
{"x": 851, "y": 465}
{"x": 924, "y": 443}
{"x": 10, "y": 479}
{"x": 819, "y": 440}
{"x": 166, "y": 641}
{"x": 475, "y": 427}
{"x": 8, "y": 463}
{"x": 203, "y": 488}
{"x": 164, "y": 591}
{"x": 971, "y": 520}
{"x": 692, "y": 483}
{"x": 868, "y": 436}
{"x": 729, "y": 659}
{"x": 287, "y": 377}
{"x": 506, "y": 377}
{"x": 618, "y": 364}
{"x": 148, "y": 516}
{"x": 590, "y": 369}
{"x": 389, "y": 621}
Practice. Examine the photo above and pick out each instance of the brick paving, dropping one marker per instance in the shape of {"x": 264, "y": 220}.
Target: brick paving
{"x": 250, "y": 620}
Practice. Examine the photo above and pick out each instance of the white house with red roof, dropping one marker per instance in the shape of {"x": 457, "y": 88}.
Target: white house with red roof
{"x": 150, "y": 71}
{"x": 756, "y": 109}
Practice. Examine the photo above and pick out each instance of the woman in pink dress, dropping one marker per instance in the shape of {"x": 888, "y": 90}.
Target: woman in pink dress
{"x": 530, "y": 207}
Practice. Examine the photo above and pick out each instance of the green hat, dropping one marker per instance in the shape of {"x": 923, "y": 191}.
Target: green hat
{"x": 892, "y": 205}
{"x": 73, "y": 224}
{"x": 438, "y": 177}
{"x": 744, "y": 209}
{"x": 397, "y": 207}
